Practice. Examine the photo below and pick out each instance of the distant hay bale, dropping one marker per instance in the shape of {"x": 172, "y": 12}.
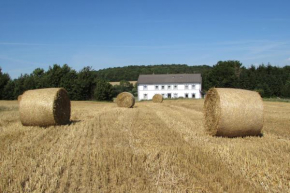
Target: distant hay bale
{"x": 45, "y": 107}
{"x": 233, "y": 112}
{"x": 19, "y": 98}
{"x": 157, "y": 98}
{"x": 125, "y": 99}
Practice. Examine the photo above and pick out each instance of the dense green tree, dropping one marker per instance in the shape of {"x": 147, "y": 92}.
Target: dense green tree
{"x": 8, "y": 92}
{"x": 135, "y": 90}
{"x": 103, "y": 91}
{"x": 85, "y": 84}
{"x": 285, "y": 91}
{"x": 40, "y": 78}
{"x": 225, "y": 74}
{"x": 4, "y": 79}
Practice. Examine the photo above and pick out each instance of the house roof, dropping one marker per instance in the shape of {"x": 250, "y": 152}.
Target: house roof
{"x": 169, "y": 78}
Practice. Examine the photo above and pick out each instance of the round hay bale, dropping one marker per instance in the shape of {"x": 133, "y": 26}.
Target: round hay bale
{"x": 19, "y": 98}
{"x": 45, "y": 107}
{"x": 233, "y": 112}
{"x": 125, "y": 99}
{"x": 157, "y": 98}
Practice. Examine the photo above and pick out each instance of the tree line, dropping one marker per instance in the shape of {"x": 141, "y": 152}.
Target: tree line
{"x": 83, "y": 85}
{"x": 89, "y": 84}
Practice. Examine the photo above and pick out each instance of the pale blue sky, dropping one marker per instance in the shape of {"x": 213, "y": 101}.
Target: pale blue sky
{"x": 111, "y": 33}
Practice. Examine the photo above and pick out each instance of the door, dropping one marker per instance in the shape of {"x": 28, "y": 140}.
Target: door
{"x": 186, "y": 95}
{"x": 169, "y": 95}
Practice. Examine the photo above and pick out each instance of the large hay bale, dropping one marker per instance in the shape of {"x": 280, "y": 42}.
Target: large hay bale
{"x": 125, "y": 99}
{"x": 45, "y": 107}
{"x": 19, "y": 98}
{"x": 157, "y": 98}
{"x": 233, "y": 112}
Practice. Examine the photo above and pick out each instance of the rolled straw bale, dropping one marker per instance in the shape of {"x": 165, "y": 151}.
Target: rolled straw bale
{"x": 45, "y": 107}
{"x": 125, "y": 99}
{"x": 157, "y": 98}
{"x": 233, "y": 112}
{"x": 19, "y": 98}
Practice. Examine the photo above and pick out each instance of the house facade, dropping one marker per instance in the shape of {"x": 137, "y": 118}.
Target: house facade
{"x": 169, "y": 86}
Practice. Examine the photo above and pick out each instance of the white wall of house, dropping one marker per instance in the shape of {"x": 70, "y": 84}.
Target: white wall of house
{"x": 190, "y": 90}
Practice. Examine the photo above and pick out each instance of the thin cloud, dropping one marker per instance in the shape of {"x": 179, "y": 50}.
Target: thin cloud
{"x": 21, "y": 44}
{"x": 18, "y": 60}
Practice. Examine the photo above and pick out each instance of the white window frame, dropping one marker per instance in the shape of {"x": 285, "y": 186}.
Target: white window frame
{"x": 145, "y": 95}
{"x": 175, "y": 95}
{"x": 145, "y": 87}
{"x": 186, "y": 87}
{"x": 156, "y": 87}
{"x": 175, "y": 87}
{"x": 193, "y": 86}
{"x": 162, "y": 87}
{"x": 169, "y": 87}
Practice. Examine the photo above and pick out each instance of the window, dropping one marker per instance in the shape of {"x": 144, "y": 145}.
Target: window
{"x": 175, "y": 95}
{"x": 163, "y": 95}
{"x": 193, "y": 96}
{"x": 169, "y": 87}
{"x": 162, "y": 87}
{"x": 156, "y": 87}
{"x": 145, "y": 96}
{"x": 186, "y": 86}
{"x": 175, "y": 87}
{"x": 145, "y": 87}
{"x": 186, "y": 95}
{"x": 193, "y": 86}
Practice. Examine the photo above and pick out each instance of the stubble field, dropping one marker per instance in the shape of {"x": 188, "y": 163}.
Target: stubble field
{"x": 150, "y": 148}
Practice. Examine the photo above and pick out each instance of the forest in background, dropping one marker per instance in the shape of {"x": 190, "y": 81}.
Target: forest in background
{"x": 89, "y": 84}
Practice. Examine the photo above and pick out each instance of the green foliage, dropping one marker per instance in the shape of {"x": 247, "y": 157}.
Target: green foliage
{"x": 103, "y": 91}
{"x": 135, "y": 90}
{"x": 4, "y": 79}
{"x": 84, "y": 84}
{"x": 224, "y": 74}
{"x": 132, "y": 72}
{"x": 285, "y": 92}
{"x": 88, "y": 84}
{"x": 8, "y": 92}
{"x": 125, "y": 86}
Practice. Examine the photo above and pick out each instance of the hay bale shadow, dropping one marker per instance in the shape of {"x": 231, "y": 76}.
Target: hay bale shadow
{"x": 73, "y": 122}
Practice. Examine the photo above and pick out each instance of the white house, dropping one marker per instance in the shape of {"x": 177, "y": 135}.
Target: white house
{"x": 169, "y": 86}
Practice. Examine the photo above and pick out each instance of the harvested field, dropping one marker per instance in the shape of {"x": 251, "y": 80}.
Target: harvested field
{"x": 149, "y": 148}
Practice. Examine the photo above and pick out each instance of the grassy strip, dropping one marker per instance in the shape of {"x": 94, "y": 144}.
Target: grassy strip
{"x": 285, "y": 100}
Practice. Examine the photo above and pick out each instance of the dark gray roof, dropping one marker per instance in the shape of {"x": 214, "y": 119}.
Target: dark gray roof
{"x": 169, "y": 78}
